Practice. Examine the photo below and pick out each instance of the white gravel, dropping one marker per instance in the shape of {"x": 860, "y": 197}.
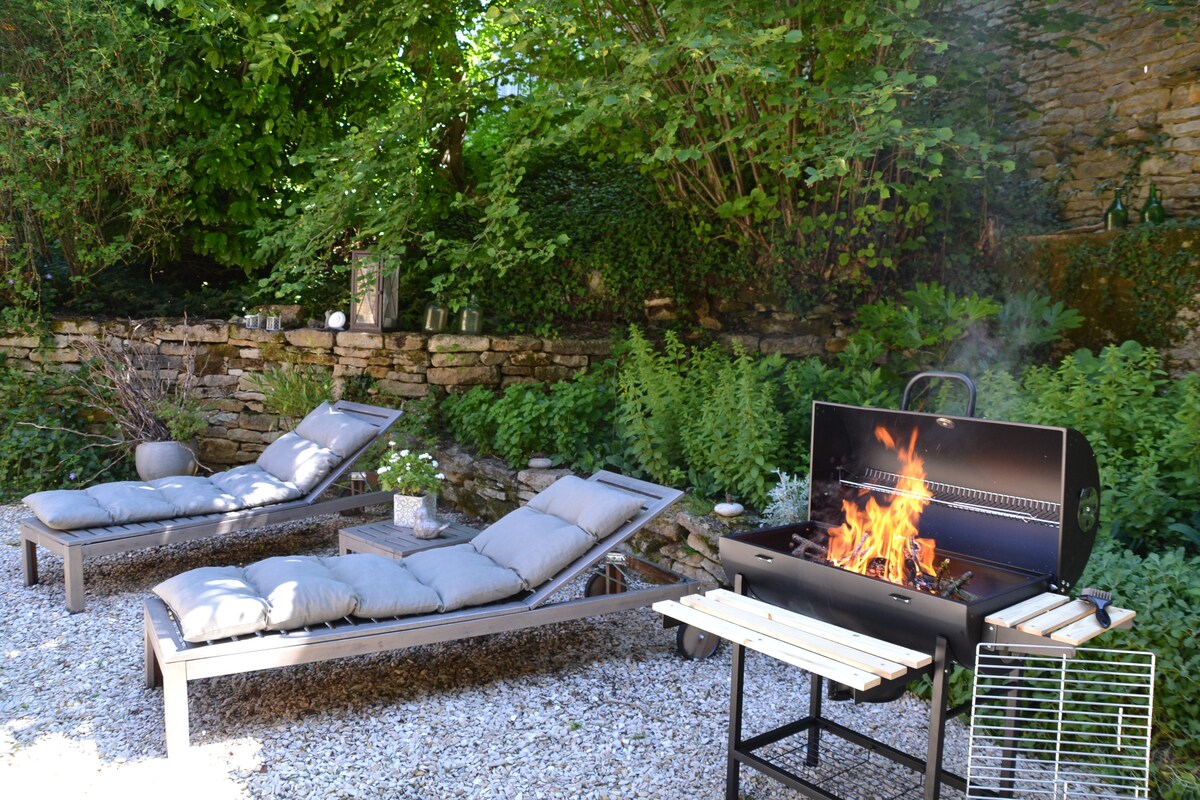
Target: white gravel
{"x": 600, "y": 708}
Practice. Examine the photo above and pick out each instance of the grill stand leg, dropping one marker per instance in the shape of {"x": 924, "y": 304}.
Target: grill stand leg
{"x": 733, "y": 766}
{"x": 743, "y": 750}
{"x": 937, "y": 723}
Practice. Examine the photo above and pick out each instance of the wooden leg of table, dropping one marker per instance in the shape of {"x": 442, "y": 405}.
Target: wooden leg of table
{"x": 73, "y": 578}
{"x": 153, "y": 672}
{"x": 29, "y": 568}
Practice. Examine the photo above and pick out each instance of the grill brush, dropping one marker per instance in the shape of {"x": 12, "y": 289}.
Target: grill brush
{"x": 1101, "y": 600}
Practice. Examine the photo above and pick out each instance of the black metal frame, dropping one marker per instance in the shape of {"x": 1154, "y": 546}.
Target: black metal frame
{"x": 742, "y": 751}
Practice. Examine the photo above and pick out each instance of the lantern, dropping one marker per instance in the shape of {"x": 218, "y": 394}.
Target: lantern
{"x": 374, "y": 293}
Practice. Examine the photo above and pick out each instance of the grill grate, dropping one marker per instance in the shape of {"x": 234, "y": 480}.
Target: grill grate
{"x": 1048, "y": 724}
{"x": 1009, "y": 506}
{"x": 850, "y": 771}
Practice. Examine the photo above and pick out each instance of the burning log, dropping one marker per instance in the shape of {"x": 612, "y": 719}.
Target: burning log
{"x": 954, "y": 586}
{"x": 807, "y": 548}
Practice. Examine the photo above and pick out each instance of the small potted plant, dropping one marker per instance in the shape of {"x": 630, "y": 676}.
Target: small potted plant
{"x": 415, "y": 479}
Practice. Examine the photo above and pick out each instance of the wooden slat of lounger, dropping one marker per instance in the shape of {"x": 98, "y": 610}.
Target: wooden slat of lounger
{"x": 1014, "y": 615}
{"x": 1088, "y": 628}
{"x": 914, "y": 659}
{"x": 789, "y": 653}
{"x": 792, "y": 634}
{"x": 1058, "y": 617}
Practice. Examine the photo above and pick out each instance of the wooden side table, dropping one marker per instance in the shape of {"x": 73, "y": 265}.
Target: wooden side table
{"x": 385, "y": 539}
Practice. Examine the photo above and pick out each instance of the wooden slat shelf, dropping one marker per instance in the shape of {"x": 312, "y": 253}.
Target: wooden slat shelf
{"x": 1058, "y": 618}
{"x": 858, "y": 661}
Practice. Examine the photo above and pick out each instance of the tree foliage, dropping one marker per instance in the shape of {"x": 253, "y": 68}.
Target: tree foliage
{"x": 816, "y": 134}
{"x": 91, "y": 161}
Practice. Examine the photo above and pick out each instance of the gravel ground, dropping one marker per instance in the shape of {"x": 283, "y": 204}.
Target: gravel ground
{"x": 600, "y": 708}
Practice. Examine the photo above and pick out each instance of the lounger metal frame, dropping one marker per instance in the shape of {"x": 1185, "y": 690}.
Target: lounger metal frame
{"x": 77, "y": 546}
{"x": 172, "y": 663}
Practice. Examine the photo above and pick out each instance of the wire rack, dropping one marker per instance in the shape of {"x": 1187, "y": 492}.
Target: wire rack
{"x": 998, "y": 504}
{"x": 1060, "y": 723}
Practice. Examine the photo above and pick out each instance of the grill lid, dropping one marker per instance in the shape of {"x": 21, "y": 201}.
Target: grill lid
{"x": 1023, "y": 496}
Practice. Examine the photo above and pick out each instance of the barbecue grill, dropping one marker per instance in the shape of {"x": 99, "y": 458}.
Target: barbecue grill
{"x": 1009, "y": 511}
{"x": 927, "y": 534}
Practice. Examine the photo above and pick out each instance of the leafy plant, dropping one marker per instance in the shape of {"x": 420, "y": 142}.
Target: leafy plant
{"x": 408, "y": 472}
{"x": 291, "y": 390}
{"x": 789, "y": 500}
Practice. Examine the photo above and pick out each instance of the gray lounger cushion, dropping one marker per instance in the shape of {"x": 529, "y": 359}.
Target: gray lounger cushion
{"x": 287, "y": 592}
{"x": 288, "y": 469}
{"x": 533, "y": 544}
{"x": 214, "y": 603}
{"x": 520, "y": 551}
{"x": 596, "y": 508}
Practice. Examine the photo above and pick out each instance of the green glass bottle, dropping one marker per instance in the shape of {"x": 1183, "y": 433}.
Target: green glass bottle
{"x": 1116, "y": 216}
{"x": 1153, "y": 211}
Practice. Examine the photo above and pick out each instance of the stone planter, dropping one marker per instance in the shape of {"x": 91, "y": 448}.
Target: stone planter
{"x": 163, "y": 459}
{"x": 407, "y": 510}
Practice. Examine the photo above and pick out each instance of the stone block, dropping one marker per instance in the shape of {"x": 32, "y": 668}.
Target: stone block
{"x": 462, "y": 376}
{"x": 454, "y": 343}
{"x": 527, "y": 359}
{"x": 312, "y": 338}
{"x": 552, "y": 374}
{"x": 195, "y": 331}
{"x": 217, "y": 451}
{"x": 411, "y": 358}
{"x": 516, "y": 344}
{"x": 509, "y": 380}
{"x": 466, "y": 359}
{"x": 405, "y": 341}
{"x": 22, "y": 342}
{"x": 516, "y": 371}
{"x": 576, "y": 347}
{"x": 359, "y": 340}
{"x": 747, "y": 341}
{"x": 261, "y": 423}
{"x": 401, "y": 389}
{"x": 793, "y": 345}
{"x": 1182, "y": 129}
{"x": 493, "y": 359}
{"x": 574, "y": 362}
{"x": 75, "y": 327}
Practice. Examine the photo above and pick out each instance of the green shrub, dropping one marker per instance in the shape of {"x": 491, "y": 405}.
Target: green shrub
{"x": 1163, "y": 589}
{"x": 569, "y": 421}
{"x": 292, "y": 390}
{"x": 41, "y": 446}
{"x": 1145, "y": 431}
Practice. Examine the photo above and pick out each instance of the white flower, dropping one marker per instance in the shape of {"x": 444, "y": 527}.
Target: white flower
{"x": 404, "y": 454}
{"x": 440, "y": 477}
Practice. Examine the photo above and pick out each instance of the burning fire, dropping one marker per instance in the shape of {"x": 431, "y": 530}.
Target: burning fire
{"x": 881, "y": 540}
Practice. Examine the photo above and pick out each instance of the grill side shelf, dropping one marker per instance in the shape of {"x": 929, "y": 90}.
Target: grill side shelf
{"x": 1023, "y": 509}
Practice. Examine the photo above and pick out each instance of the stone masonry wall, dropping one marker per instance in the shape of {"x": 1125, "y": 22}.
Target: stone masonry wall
{"x": 404, "y": 365}
{"x": 1124, "y": 112}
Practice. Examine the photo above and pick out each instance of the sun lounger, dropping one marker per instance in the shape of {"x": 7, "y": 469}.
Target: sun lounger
{"x": 288, "y": 482}
{"x": 535, "y": 545}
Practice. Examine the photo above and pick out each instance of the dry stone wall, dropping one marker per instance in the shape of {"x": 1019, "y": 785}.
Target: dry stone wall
{"x": 402, "y": 365}
{"x": 1122, "y": 111}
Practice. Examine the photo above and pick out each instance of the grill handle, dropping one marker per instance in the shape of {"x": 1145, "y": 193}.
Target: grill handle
{"x": 957, "y": 376}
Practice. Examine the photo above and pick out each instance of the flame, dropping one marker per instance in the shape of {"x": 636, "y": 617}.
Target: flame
{"x": 887, "y": 534}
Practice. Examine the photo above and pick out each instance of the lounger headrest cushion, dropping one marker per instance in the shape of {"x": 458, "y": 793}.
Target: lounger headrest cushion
{"x": 213, "y": 603}
{"x": 596, "y": 508}
{"x": 294, "y": 459}
{"x": 338, "y": 431}
{"x": 534, "y": 545}
{"x": 67, "y": 509}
